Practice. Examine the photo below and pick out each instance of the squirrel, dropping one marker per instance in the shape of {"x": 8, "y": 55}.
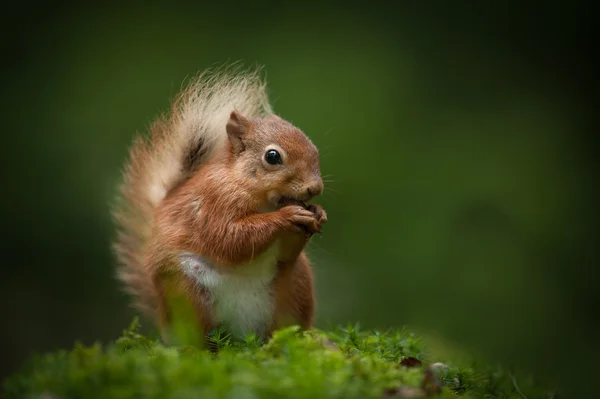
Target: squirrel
{"x": 213, "y": 208}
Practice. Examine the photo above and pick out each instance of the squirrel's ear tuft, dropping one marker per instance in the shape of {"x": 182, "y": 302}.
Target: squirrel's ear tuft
{"x": 237, "y": 127}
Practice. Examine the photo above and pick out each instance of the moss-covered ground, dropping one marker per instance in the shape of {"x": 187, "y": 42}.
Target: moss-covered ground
{"x": 340, "y": 363}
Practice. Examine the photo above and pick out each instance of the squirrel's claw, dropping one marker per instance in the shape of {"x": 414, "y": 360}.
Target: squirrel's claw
{"x": 319, "y": 213}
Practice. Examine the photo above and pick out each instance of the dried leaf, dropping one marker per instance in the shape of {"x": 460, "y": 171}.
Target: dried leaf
{"x": 438, "y": 366}
{"x": 410, "y": 362}
{"x": 431, "y": 382}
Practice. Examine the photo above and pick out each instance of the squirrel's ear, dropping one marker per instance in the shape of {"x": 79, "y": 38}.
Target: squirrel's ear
{"x": 237, "y": 127}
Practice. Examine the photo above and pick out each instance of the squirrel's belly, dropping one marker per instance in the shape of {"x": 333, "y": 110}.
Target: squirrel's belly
{"x": 240, "y": 299}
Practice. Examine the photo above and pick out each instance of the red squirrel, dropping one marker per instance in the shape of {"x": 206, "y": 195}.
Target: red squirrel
{"x": 216, "y": 199}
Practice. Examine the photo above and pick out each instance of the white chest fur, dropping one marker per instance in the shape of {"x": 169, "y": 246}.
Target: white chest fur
{"x": 241, "y": 297}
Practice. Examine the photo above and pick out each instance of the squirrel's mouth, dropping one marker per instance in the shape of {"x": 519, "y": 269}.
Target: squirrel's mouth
{"x": 285, "y": 201}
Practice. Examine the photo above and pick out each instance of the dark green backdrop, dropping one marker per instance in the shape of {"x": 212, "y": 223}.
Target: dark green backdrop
{"x": 458, "y": 141}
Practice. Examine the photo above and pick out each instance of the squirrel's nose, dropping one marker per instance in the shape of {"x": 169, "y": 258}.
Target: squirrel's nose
{"x": 315, "y": 189}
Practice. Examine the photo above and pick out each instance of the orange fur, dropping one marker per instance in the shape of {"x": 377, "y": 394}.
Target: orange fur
{"x": 220, "y": 199}
{"x": 294, "y": 295}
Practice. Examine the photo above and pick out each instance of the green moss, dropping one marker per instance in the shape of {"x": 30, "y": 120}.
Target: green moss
{"x": 292, "y": 364}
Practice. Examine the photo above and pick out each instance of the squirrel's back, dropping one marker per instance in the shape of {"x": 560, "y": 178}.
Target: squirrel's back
{"x": 177, "y": 144}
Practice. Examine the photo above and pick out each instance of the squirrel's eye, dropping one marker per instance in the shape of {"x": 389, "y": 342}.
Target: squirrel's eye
{"x": 273, "y": 158}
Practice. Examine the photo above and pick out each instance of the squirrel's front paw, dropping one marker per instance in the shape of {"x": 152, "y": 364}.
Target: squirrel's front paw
{"x": 301, "y": 219}
{"x": 319, "y": 212}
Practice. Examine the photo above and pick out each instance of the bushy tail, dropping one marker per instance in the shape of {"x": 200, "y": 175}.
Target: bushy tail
{"x": 177, "y": 144}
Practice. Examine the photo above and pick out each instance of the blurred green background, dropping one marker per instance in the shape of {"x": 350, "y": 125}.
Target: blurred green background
{"x": 458, "y": 140}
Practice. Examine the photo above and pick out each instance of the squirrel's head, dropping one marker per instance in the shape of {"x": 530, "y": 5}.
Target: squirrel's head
{"x": 275, "y": 157}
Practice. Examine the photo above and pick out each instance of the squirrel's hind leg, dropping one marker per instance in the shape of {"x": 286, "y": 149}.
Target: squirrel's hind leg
{"x": 183, "y": 313}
